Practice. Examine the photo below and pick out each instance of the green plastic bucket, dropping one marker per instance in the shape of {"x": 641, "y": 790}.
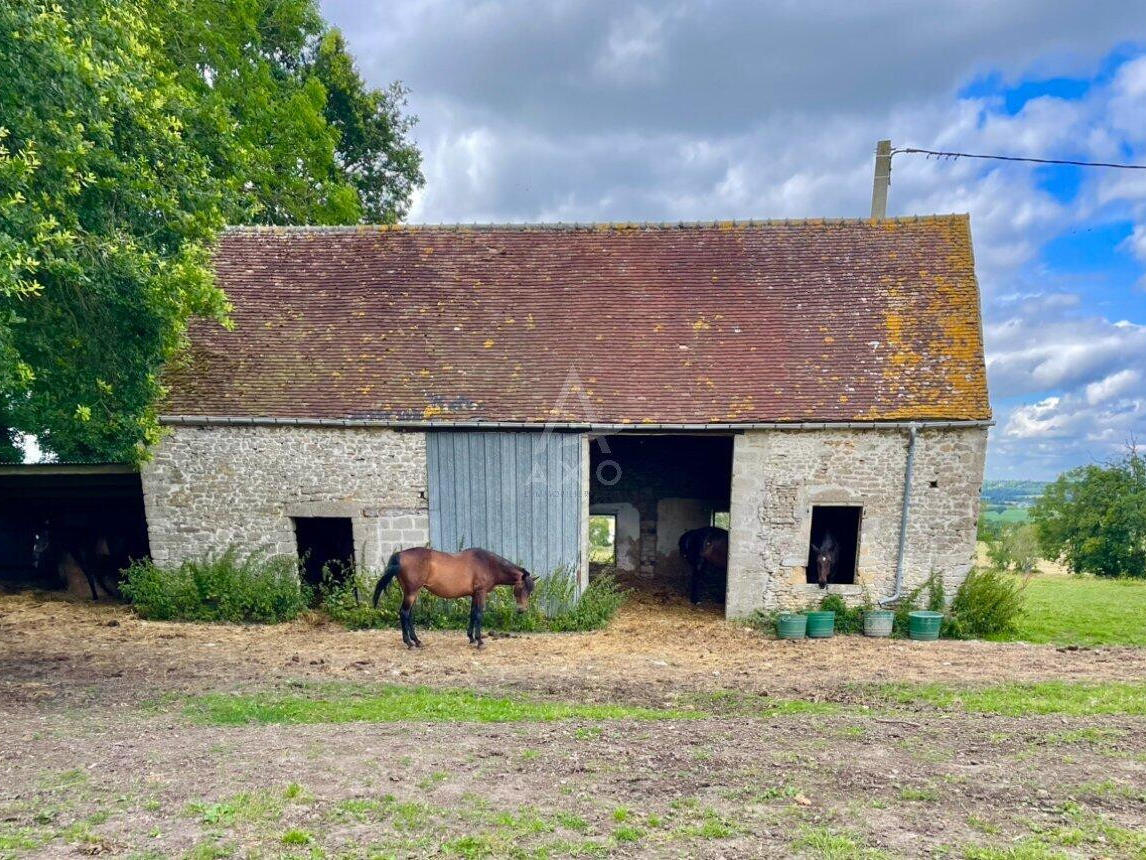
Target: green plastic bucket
{"x": 878, "y": 622}
{"x": 821, "y": 625}
{"x": 924, "y": 626}
{"x": 791, "y": 625}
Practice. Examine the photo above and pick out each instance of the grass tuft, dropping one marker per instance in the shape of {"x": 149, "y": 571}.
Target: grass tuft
{"x": 397, "y": 704}
{"x": 1016, "y": 700}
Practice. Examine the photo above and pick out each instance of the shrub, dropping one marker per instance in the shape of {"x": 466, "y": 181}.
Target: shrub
{"x": 988, "y": 603}
{"x": 1014, "y": 548}
{"x": 848, "y": 619}
{"x": 217, "y": 588}
{"x": 554, "y": 606}
{"x": 763, "y": 620}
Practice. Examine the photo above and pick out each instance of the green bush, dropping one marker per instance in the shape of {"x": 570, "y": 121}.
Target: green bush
{"x": 553, "y": 607}
{"x": 988, "y": 603}
{"x": 1014, "y": 548}
{"x": 848, "y": 619}
{"x": 763, "y": 621}
{"x": 217, "y": 588}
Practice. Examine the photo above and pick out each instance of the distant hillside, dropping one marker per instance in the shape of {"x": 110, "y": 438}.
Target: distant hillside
{"x": 1009, "y": 500}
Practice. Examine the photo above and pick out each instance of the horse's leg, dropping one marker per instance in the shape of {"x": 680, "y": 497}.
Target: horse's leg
{"x": 473, "y": 619}
{"x": 694, "y": 589}
{"x": 404, "y": 620}
{"x": 91, "y": 583}
{"x": 403, "y": 623}
{"x": 478, "y": 613}
{"x": 408, "y": 604}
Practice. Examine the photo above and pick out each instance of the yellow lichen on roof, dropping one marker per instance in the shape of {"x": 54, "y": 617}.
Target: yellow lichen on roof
{"x": 939, "y": 315}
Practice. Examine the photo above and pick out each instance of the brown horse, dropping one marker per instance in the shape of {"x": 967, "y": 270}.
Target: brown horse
{"x": 706, "y": 552}
{"x": 827, "y": 553}
{"x": 470, "y": 573}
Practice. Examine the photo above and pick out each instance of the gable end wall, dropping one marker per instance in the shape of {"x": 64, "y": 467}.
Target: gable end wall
{"x": 779, "y": 475}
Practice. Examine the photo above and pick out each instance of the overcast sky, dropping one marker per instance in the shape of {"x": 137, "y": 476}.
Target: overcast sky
{"x": 599, "y": 111}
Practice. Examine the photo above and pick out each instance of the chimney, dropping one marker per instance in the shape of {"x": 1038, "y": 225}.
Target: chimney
{"x": 882, "y": 179}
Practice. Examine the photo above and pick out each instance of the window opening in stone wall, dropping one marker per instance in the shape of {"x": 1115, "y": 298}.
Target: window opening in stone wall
{"x": 325, "y": 548}
{"x": 721, "y": 519}
{"x": 835, "y": 528}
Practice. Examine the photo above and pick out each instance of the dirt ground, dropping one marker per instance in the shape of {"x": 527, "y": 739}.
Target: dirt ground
{"x": 98, "y": 756}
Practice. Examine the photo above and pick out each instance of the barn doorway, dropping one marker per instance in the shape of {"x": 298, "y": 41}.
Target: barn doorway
{"x": 59, "y": 522}
{"x": 325, "y": 548}
{"x": 602, "y": 541}
{"x": 842, "y": 522}
{"x": 658, "y": 487}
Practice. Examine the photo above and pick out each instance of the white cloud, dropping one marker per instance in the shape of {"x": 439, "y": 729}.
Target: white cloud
{"x": 633, "y": 50}
{"x": 1122, "y": 382}
{"x": 1135, "y": 243}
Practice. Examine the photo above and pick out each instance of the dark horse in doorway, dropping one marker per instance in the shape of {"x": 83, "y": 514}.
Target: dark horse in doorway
{"x": 470, "y": 573}
{"x": 827, "y": 555}
{"x": 706, "y": 552}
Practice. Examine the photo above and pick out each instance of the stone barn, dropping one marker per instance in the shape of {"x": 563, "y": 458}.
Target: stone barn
{"x": 497, "y": 385}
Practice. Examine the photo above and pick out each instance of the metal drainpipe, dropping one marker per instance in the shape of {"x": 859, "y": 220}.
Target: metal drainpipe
{"x": 912, "y": 430}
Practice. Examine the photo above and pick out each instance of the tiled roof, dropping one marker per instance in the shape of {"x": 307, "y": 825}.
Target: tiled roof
{"x": 692, "y": 323}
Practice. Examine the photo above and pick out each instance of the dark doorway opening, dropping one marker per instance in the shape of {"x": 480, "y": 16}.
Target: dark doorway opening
{"x": 664, "y": 486}
{"x": 60, "y": 523}
{"x": 325, "y": 548}
{"x": 842, "y": 522}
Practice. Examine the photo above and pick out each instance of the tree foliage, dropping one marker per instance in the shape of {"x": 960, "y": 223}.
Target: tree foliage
{"x": 131, "y": 131}
{"x": 1094, "y": 518}
{"x": 106, "y": 211}
{"x": 1014, "y": 548}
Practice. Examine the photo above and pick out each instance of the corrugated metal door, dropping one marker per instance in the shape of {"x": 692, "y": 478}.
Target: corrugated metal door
{"x": 517, "y": 494}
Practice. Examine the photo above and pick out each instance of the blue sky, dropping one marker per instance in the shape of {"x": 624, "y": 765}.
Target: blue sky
{"x": 615, "y": 110}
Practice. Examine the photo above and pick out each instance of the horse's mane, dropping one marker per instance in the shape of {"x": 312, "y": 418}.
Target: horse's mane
{"x": 501, "y": 561}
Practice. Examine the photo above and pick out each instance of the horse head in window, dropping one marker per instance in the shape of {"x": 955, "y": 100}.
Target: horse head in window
{"x": 827, "y": 553}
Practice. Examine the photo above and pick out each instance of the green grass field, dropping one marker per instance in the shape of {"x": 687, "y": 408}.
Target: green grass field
{"x": 1083, "y": 610}
{"x": 391, "y": 703}
{"x": 1010, "y": 515}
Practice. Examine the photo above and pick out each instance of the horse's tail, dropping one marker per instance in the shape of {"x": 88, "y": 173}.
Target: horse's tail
{"x": 392, "y": 567}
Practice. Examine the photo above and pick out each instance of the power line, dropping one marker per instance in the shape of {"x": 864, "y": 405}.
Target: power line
{"x": 910, "y": 150}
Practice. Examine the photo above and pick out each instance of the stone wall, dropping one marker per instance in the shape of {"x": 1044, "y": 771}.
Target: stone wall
{"x": 207, "y": 488}
{"x": 779, "y": 475}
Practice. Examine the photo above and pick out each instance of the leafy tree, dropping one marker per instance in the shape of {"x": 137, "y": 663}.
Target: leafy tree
{"x": 600, "y": 531}
{"x": 372, "y": 147}
{"x": 987, "y": 529}
{"x": 106, "y": 210}
{"x": 1094, "y": 518}
{"x": 1014, "y": 548}
{"x": 130, "y": 132}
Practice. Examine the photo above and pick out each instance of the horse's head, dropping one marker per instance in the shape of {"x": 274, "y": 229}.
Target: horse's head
{"x": 824, "y": 561}
{"x": 522, "y": 589}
